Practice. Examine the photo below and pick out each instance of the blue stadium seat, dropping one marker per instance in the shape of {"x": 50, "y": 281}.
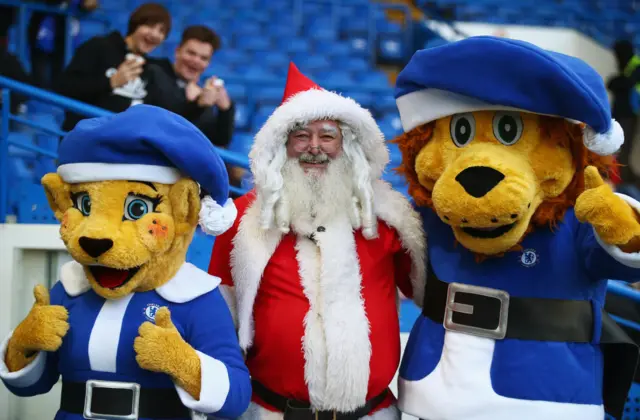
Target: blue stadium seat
{"x": 242, "y": 116}
{"x": 363, "y": 98}
{"x": 391, "y": 176}
{"x": 256, "y": 73}
{"x": 334, "y": 50}
{"x": 391, "y": 47}
{"x": 268, "y": 96}
{"x": 241, "y": 143}
{"x": 293, "y": 45}
{"x": 374, "y": 80}
{"x": 32, "y": 204}
{"x": 247, "y": 29}
{"x": 230, "y": 56}
{"x": 395, "y": 157}
{"x": 338, "y": 79}
{"x": 253, "y": 43}
{"x": 360, "y": 47}
{"x": 260, "y": 117}
{"x": 355, "y": 65}
{"x": 236, "y": 91}
{"x": 218, "y": 69}
{"x": 312, "y": 63}
{"x": 389, "y": 129}
{"x": 199, "y": 252}
{"x": 385, "y": 103}
{"x": 276, "y": 60}
{"x": 351, "y": 27}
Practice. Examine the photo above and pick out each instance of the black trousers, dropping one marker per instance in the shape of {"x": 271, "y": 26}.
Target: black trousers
{"x": 46, "y": 68}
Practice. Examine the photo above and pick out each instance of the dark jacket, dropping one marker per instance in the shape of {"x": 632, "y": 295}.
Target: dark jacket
{"x": 86, "y": 78}
{"x": 216, "y": 124}
{"x": 621, "y": 88}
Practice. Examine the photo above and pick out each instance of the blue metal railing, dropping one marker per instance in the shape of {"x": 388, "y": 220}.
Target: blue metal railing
{"x": 24, "y": 11}
{"x": 9, "y": 85}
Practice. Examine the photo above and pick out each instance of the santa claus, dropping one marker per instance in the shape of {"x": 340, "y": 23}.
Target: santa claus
{"x": 313, "y": 263}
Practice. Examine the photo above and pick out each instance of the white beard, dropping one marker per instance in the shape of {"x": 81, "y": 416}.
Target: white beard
{"x": 323, "y": 194}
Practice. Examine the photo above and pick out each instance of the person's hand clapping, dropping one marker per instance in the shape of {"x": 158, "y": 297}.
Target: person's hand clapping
{"x": 209, "y": 95}
{"x": 192, "y": 91}
{"x": 129, "y": 70}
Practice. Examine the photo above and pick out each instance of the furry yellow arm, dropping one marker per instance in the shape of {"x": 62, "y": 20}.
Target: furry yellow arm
{"x": 614, "y": 220}
{"x": 161, "y": 348}
{"x": 41, "y": 330}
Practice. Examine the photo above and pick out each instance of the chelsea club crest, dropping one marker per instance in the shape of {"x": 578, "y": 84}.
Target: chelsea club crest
{"x": 529, "y": 258}
{"x": 150, "y": 311}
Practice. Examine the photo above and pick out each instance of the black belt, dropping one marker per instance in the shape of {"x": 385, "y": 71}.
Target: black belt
{"x": 494, "y": 314}
{"x": 301, "y": 410}
{"x": 118, "y": 399}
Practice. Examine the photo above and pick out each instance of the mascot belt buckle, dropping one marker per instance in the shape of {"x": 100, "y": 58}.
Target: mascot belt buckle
{"x": 452, "y": 307}
{"x": 135, "y": 400}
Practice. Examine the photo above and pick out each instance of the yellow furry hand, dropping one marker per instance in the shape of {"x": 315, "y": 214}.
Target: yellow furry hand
{"x": 611, "y": 217}
{"x": 41, "y": 330}
{"x": 161, "y": 348}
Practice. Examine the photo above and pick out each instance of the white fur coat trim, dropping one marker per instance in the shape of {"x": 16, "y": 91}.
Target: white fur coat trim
{"x": 313, "y": 105}
{"x": 189, "y": 283}
{"x": 336, "y": 320}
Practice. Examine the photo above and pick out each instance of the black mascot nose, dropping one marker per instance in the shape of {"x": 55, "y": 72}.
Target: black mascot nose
{"x": 95, "y": 247}
{"x": 477, "y": 181}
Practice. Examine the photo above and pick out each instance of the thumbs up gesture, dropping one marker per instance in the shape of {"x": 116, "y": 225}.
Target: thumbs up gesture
{"x": 41, "y": 330}
{"x": 612, "y": 218}
{"x": 161, "y": 348}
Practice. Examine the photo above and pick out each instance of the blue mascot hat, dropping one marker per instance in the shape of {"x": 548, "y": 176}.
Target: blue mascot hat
{"x": 147, "y": 143}
{"x": 487, "y": 73}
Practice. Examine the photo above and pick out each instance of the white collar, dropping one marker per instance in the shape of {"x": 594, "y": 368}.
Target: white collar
{"x": 189, "y": 282}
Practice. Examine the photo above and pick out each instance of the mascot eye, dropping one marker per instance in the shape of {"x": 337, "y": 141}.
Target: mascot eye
{"x": 82, "y": 202}
{"x": 507, "y": 127}
{"x": 135, "y": 207}
{"x": 463, "y": 129}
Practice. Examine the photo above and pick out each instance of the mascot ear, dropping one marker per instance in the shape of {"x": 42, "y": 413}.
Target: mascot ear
{"x": 58, "y": 194}
{"x": 185, "y": 202}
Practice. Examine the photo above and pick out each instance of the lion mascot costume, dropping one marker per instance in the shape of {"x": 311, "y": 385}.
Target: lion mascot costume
{"x": 134, "y": 331}
{"x": 504, "y": 149}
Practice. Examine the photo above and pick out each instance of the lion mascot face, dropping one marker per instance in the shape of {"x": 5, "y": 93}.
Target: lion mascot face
{"x": 495, "y": 175}
{"x": 506, "y": 148}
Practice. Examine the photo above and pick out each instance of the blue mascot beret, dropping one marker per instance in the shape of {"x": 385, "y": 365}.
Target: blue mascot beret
{"x": 147, "y": 143}
{"x": 486, "y": 73}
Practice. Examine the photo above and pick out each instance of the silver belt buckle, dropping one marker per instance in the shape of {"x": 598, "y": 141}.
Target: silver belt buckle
{"x": 452, "y": 306}
{"x": 135, "y": 400}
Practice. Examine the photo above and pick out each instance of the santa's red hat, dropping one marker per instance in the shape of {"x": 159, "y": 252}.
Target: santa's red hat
{"x": 296, "y": 83}
{"x": 304, "y": 101}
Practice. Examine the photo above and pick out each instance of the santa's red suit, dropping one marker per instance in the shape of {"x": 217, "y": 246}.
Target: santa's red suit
{"x": 318, "y": 314}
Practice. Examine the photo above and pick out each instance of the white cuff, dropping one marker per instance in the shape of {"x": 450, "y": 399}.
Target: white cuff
{"x": 214, "y": 386}
{"x": 26, "y": 376}
{"x": 629, "y": 259}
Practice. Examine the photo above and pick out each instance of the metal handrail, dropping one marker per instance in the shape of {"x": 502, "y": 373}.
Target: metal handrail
{"x": 621, "y": 288}
{"x": 9, "y": 85}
